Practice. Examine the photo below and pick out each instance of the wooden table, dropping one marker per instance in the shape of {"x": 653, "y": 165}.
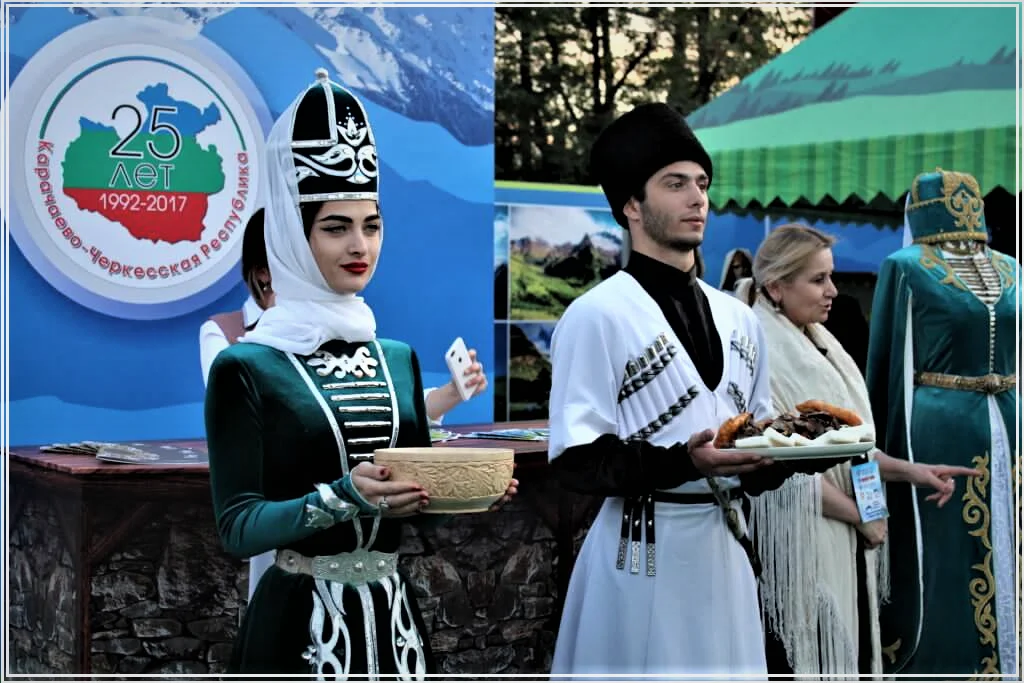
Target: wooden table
{"x": 80, "y": 486}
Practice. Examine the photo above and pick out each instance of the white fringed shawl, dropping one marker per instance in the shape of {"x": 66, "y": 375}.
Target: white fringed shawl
{"x": 809, "y": 583}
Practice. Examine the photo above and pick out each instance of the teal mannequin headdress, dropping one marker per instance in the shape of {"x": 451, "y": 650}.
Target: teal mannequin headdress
{"x": 946, "y": 206}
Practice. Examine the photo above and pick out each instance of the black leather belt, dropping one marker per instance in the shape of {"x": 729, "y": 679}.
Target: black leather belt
{"x": 694, "y": 498}
{"x": 638, "y": 525}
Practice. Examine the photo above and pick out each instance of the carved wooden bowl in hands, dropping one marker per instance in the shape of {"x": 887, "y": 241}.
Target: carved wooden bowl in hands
{"x": 458, "y": 480}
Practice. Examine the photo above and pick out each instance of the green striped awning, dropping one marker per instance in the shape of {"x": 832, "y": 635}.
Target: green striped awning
{"x": 866, "y": 103}
{"x": 861, "y": 168}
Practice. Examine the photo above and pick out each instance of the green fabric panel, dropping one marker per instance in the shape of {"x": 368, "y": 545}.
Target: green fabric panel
{"x": 812, "y": 177}
{"x": 919, "y": 157}
{"x": 991, "y": 161}
{"x": 912, "y": 91}
{"x": 902, "y": 174}
{"x": 880, "y": 163}
{"x": 869, "y": 116}
{"x": 896, "y": 53}
{"x": 863, "y": 168}
{"x": 867, "y": 37}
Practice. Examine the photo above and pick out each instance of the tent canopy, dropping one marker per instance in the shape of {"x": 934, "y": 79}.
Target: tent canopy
{"x": 867, "y": 102}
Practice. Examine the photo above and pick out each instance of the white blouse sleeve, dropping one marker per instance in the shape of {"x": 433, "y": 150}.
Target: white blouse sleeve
{"x": 211, "y": 342}
{"x": 439, "y": 420}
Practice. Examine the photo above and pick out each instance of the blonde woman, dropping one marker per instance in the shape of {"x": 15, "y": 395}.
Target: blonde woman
{"x": 823, "y": 575}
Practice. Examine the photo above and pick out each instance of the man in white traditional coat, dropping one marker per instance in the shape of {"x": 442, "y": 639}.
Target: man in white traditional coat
{"x": 646, "y": 366}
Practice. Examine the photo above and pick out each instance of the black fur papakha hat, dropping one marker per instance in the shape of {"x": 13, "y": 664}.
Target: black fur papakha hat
{"x": 333, "y": 145}
{"x": 638, "y": 144}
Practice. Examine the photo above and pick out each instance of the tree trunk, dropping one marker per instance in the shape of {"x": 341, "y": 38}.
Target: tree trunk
{"x": 525, "y": 128}
{"x": 705, "y": 62}
{"x": 607, "y": 64}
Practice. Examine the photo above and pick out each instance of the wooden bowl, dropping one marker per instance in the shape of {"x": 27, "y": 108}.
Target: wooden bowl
{"x": 458, "y": 479}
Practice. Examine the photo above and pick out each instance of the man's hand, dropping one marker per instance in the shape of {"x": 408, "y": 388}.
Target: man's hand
{"x": 712, "y": 462}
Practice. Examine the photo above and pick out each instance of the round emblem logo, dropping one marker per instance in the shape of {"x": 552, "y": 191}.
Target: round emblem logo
{"x": 135, "y": 167}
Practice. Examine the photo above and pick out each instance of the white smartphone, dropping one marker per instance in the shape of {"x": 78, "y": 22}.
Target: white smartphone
{"x": 458, "y": 360}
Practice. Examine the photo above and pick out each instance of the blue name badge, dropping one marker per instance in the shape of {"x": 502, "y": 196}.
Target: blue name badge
{"x": 867, "y": 488}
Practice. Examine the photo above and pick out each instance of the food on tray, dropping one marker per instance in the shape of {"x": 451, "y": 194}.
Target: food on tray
{"x": 845, "y": 416}
{"x": 733, "y": 428}
{"x": 815, "y": 423}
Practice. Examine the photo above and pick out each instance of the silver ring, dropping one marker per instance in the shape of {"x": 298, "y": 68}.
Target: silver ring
{"x": 383, "y": 504}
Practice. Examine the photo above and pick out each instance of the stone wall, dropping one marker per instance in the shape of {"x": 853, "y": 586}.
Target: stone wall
{"x": 41, "y": 582}
{"x": 168, "y": 600}
{"x": 486, "y": 587}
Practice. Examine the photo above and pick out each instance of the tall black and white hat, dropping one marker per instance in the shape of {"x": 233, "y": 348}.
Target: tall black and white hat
{"x": 335, "y": 153}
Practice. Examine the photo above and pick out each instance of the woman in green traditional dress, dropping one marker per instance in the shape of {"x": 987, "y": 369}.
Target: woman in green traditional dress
{"x": 224, "y": 329}
{"x": 295, "y": 411}
{"x": 942, "y": 374}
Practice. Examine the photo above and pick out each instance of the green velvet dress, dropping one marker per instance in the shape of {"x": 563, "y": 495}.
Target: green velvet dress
{"x": 953, "y": 585}
{"x": 277, "y": 425}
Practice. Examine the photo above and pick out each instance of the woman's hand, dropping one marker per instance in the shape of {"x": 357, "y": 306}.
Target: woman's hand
{"x": 873, "y": 532}
{"x": 475, "y": 371}
{"x": 395, "y": 498}
{"x": 441, "y": 400}
{"x": 513, "y": 489}
{"x": 940, "y": 478}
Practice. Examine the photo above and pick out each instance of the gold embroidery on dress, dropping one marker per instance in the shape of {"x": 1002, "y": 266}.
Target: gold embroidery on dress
{"x": 962, "y": 197}
{"x": 978, "y": 273}
{"x": 982, "y": 588}
{"x": 947, "y": 236}
{"x": 990, "y": 672}
{"x": 931, "y": 259}
{"x": 1006, "y": 268}
{"x": 890, "y": 651}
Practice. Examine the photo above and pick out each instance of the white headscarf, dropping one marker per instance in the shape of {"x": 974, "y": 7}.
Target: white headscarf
{"x": 307, "y": 312}
{"x": 727, "y": 266}
{"x": 908, "y": 236}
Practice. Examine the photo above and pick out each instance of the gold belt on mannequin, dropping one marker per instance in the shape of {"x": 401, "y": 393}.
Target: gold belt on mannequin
{"x": 987, "y": 384}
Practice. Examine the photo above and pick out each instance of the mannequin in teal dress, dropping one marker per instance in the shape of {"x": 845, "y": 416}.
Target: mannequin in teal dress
{"x": 941, "y": 376}
{"x": 295, "y": 411}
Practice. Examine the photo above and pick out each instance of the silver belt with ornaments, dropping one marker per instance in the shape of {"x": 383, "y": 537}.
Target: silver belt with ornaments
{"x": 357, "y": 567}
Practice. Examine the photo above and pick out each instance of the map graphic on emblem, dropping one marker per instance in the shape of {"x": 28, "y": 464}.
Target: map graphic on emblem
{"x": 156, "y": 184}
{"x": 135, "y": 168}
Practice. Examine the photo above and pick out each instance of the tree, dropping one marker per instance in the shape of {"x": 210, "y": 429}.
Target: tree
{"x": 558, "y": 80}
{"x": 563, "y": 73}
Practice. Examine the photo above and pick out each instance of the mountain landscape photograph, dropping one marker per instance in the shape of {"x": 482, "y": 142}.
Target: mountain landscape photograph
{"x": 501, "y": 248}
{"x": 529, "y": 370}
{"x": 501, "y": 334}
{"x": 556, "y": 254}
